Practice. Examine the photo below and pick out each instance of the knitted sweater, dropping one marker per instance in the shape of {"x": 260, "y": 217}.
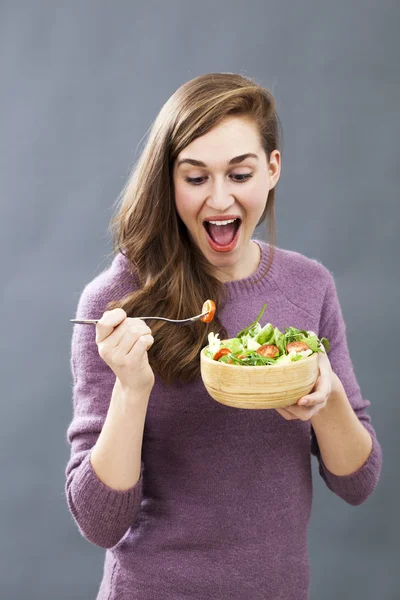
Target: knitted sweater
{"x": 222, "y": 506}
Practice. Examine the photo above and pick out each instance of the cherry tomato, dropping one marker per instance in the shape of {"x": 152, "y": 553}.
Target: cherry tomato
{"x": 269, "y": 350}
{"x": 209, "y": 307}
{"x": 220, "y": 353}
{"x": 298, "y": 346}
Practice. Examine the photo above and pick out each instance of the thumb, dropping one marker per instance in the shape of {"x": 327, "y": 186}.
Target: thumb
{"x": 108, "y": 322}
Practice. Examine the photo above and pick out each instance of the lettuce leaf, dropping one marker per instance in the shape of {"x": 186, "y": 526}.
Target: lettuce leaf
{"x": 265, "y": 335}
{"x": 313, "y": 343}
{"x": 225, "y": 358}
{"x": 271, "y": 335}
{"x": 249, "y": 342}
{"x": 279, "y": 341}
{"x": 233, "y": 344}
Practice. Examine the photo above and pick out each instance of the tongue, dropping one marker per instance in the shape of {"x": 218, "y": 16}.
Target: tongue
{"x": 222, "y": 234}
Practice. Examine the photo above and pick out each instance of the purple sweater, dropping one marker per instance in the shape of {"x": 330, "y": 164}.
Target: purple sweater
{"x": 223, "y": 503}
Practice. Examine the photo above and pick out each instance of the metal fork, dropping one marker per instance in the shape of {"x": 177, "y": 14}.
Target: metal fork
{"x": 175, "y": 321}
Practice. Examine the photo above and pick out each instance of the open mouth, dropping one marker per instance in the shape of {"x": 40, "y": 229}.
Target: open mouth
{"x": 223, "y": 237}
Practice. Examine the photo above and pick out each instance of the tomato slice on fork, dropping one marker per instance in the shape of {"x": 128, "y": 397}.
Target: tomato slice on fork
{"x": 209, "y": 307}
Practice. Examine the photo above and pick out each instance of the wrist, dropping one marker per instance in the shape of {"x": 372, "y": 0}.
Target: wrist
{"x": 337, "y": 397}
{"x": 337, "y": 387}
{"x": 129, "y": 395}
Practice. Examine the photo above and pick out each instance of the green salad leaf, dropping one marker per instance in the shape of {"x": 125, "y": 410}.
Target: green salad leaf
{"x": 251, "y": 328}
{"x": 313, "y": 342}
{"x": 265, "y": 335}
{"x": 234, "y": 345}
{"x": 325, "y": 342}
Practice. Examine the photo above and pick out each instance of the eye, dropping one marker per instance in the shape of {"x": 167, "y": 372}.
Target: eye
{"x": 195, "y": 180}
{"x": 242, "y": 177}
{"x": 236, "y": 177}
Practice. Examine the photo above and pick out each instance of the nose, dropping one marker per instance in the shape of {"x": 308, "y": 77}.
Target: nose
{"x": 220, "y": 198}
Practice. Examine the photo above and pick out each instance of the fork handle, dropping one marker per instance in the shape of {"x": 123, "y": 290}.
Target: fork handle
{"x": 95, "y": 321}
{"x": 85, "y": 322}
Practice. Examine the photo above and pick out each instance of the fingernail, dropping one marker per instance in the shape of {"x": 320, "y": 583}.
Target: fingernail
{"x": 303, "y": 402}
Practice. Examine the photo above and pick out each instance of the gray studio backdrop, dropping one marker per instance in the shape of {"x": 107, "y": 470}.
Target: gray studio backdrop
{"x": 80, "y": 85}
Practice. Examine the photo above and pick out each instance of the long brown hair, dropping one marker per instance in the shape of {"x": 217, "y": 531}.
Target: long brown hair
{"x": 174, "y": 276}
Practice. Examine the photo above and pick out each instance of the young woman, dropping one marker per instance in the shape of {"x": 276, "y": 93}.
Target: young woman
{"x": 191, "y": 498}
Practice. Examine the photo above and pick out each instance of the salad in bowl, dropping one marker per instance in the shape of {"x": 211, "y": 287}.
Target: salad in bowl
{"x": 260, "y": 346}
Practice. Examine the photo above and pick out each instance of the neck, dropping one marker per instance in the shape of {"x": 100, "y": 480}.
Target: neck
{"x": 245, "y": 267}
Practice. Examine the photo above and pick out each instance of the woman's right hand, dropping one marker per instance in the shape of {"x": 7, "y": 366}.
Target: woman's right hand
{"x": 122, "y": 343}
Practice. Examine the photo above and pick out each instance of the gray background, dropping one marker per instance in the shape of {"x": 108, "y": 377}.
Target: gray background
{"x": 81, "y": 83}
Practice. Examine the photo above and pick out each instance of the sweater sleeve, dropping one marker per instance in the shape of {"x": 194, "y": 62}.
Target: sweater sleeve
{"x": 356, "y": 487}
{"x": 103, "y": 515}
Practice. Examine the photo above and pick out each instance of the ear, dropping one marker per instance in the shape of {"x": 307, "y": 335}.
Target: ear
{"x": 274, "y": 168}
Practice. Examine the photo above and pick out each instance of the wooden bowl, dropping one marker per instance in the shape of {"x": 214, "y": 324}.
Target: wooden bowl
{"x": 271, "y": 386}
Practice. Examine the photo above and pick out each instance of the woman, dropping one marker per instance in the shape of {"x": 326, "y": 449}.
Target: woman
{"x": 191, "y": 498}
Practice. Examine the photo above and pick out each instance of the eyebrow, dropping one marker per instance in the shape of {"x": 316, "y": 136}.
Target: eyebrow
{"x": 233, "y": 161}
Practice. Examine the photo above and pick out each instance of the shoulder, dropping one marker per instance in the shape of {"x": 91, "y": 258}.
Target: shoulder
{"x": 300, "y": 268}
{"x": 112, "y": 283}
{"x": 304, "y": 280}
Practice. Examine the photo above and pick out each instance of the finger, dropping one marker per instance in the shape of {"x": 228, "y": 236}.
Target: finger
{"x": 148, "y": 340}
{"x": 108, "y": 322}
{"x": 315, "y": 399}
{"x": 320, "y": 394}
{"x": 286, "y": 414}
{"x": 324, "y": 363}
{"x": 303, "y": 413}
{"x": 130, "y": 337}
{"x": 129, "y": 324}
{"x": 140, "y": 347}
{"x": 136, "y": 325}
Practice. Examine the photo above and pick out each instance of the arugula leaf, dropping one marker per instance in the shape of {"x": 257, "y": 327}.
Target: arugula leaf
{"x": 325, "y": 342}
{"x": 247, "y": 329}
{"x": 249, "y": 358}
{"x": 292, "y": 334}
{"x": 254, "y": 330}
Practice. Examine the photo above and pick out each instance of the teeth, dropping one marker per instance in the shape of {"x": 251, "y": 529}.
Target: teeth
{"x": 222, "y": 222}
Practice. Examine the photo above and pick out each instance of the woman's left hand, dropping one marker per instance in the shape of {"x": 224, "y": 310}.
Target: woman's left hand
{"x": 308, "y": 406}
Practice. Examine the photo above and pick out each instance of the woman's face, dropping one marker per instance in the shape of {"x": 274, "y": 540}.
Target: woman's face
{"x": 225, "y": 175}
